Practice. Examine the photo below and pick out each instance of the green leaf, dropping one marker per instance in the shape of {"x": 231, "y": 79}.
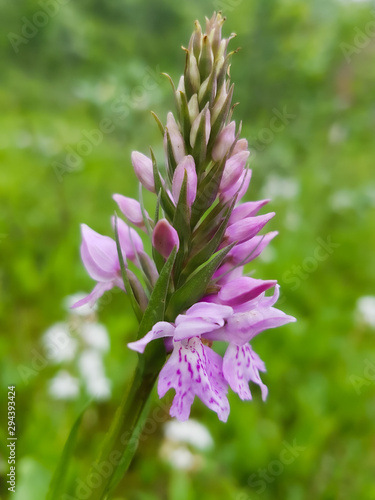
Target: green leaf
{"x": 57, "y": 485}
{"x": 165, "y": 200}
{"x": 156, "y": 306}
{"x": 125, "y": 278}
{"x": 185, "y": 120}
{"x": 200, "y": 145}
{"x": 195, "y": 287}
{"x": 158, "y": 122}
{"x": 181, "y": 223}
{"x": 210, "y": 248}
{"x": 208, "y": 190}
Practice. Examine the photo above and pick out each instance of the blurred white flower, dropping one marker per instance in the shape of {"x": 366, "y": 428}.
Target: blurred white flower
{"x": 64, "y": 386}
{"x": 95, "y": 335}
{"x": 91, "y": 367}
{"x": 280, "y": 187}
{"x": 337, "y": 133}
{"x": 342, "y": 199}
{"x": 365, "y": 310}
{"x": 59, "y": 343}
{"x": 189, "y": 432}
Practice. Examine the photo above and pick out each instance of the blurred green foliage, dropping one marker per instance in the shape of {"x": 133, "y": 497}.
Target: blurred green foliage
{"x": 96, "y": 60}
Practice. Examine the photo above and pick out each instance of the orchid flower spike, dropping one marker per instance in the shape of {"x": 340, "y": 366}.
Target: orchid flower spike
{"x": 192, "y": 292}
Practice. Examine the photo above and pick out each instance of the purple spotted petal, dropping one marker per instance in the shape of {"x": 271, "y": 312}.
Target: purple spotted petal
{"x": 241, "y": 365}
{"x": 159, "y": 330}
{"x": 194, "y": 370}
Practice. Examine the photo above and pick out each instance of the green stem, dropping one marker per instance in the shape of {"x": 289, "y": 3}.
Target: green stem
{"x": 121, "y": 442}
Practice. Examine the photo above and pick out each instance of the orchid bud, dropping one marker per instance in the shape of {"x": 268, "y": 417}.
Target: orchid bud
{"x": 247, "y": 209}
{"x": 192, "y": 75}
{"x": 186, "y": 165}
{"x": 143, "y": 170}
{"x": 233, "y": 170}
{"x": 241, "y": 145}
{"x": 238, "y": 189}
{"x": 247, "y": 228}
{"x": 193, "y": 107}
{"x": 99, "y": 255}
{"x": 177, "y": 141}
{"x": 165, "y": 238}
{"x": 203, "y": 115}
{"x": 131, "y": 209}
{"x": 249, "y": 250}
{"x": 224, "y": 141}
{"x": 130, "y": 241}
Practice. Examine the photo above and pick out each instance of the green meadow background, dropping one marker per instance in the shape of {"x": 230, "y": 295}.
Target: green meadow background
{"x": 310, "y": 62}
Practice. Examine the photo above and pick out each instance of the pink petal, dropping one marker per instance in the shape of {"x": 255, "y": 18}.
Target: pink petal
{"x": 247, "y": 228}
{"x": 243, "y": 290}
{"x": 187, "y": 165}
{"x": 159, "y": 330}
{"x": 99, "y": 255}
{"x": 131, "y": 209}
{"x": 233, "y": 170}
{"x": 248, "y": 209}
{"x": 143, "y": 170}
{"x": 130, "y": 241}
{"x": 224, "y": 141}
{"x": 165, "y": 238}
{"x": 248, "y": 250}
{"x": 97, "y": 292}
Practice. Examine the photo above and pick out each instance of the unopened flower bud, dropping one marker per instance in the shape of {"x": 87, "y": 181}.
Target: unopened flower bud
{"x": 233, "y": 170}
{"x": 143, "y": 170}
{"x": 165, "y": 238}
{"x": 203, "y": 115}
{"x": 193, "y": 107}
{"x": 131, "y": 209}
{"x": 241, "y": 145}
{"x": 177, "y": 141}
{"x": 224, "y": 141}
{"x": 247, "y": 228}
{"x": 186, "y": 165}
